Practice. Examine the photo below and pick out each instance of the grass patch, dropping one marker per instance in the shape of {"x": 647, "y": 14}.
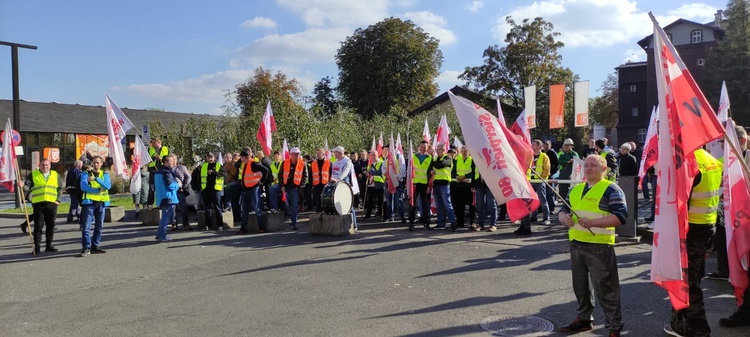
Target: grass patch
{"x": 64, "y": 207}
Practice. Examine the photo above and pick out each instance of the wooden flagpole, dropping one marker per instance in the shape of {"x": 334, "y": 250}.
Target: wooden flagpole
{"x": 19, "y": 187}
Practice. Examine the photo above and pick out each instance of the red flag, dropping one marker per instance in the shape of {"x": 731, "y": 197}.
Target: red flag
{"x": 736, "y": 217}
{"x": 521, "y": 127}
{"x": 264, "y": 132}
{"x": 8, "y": 157}
{"x": 556, "y": 106}
{"x": 687, "y": 122}
{"x": 490, "y": 148}
{"x": 392, "y": 168}
{"x": 379, "y": 149}
{"x": 443, "y": 133}
{"x": 269, "y": 111}
{"x": 650, "y": 149}
{"x": 523, "y": 151}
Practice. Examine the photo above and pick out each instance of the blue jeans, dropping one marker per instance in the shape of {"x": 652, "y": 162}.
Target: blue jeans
{"x": 292, "y": 203}
{"x": 273, "y": 196}
{"x": 167, "y": 212}
{"x": 395, "y": 203}
{"x": 443, "y": 202}
{"x": 541, "y": 192}
{"x": 250, "y": 202}
{"x": 485, "y": 205}
{"x": 92, "y": 213}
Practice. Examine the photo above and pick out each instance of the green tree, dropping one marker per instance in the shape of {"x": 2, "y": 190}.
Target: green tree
{"x": 388, "y": 64}
{"x": 603, "y": 109}
{"x": 530, "y": 57}
{"x": 323, "y": 97}
{"x": 730, "y": 61}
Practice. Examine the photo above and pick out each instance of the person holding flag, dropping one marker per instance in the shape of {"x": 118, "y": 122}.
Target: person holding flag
{"x": 274, "y": 191}
{"x": 485, "y": 203}
{"x": 252, "y": 177}
{"x": 442, "y": 165}
{"x": 539, "y": 169}
{"x": 45, "y": 187}
{"x": 591, "y": 225}
{"x": 393, "y": 199}
{"x": 376, "y": 185}
{"x": 156, "y": 151}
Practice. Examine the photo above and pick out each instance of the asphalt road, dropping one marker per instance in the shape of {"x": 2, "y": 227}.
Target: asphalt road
{"x": 382, "y": 281}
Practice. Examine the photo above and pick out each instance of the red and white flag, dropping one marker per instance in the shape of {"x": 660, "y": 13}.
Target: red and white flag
{"x": 443, "y": 132}
{"x": 7, "y": 159}
{"x": 686, "y": 122}
{"x": 399, "y": 146}
{"x": 410, "y": 175}
{"x": 529, "y": 97}
{"x": 521, "y": 127}
{"x": 285, "y": 150}
{"x": 426, "y": 131}
{"x": 264, "y": 131}
{"x": 577, "y": 169}
{"x": 491, "y": 151}
{"x": 500, "y": 116}
{"x": 269, "y": 111}
{"x": 736, "y": 200}
{"x": 392, "y": 168}
{"x": 457, "y": 143}
{"x": 326, "y": 150}
{"x": 723, "y": 113}
{"x": 373, "y": 148}
{"x": 650, "y": 148}
{"x": 379, "y": 149}
{"x": 140, "y": 158}
{"x": 116, "y": 136}
{"x": 124, "y": 121}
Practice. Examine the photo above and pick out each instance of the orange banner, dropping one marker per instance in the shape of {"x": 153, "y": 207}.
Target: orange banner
{"x": 556, "y": 105}
{"x": 90, "y": 146}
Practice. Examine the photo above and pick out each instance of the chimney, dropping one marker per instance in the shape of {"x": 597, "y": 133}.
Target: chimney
{"x": 717, "y": 18}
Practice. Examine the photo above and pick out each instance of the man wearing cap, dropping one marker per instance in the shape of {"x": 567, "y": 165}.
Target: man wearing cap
{"x": 252, "y": 177}
{"x": 343, "y": 170}
{"x": 461, "y": 186}
{"x": 293, "y": 179}
{"x": 211, "y": 187}
{"x": 566, "y": 165}
{"x": 321, "y": 173}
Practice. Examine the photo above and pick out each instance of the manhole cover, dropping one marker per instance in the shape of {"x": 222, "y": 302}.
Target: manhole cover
{"x": 510, "y": 325}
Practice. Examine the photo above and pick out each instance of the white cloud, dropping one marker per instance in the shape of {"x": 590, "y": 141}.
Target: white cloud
{"x": 322, "y": 13}
{"x": 448, "y": 79}
{"x": 259, "y": 21}
{"x": 315, "y": 45}
{"x": 598, "y": 23}
{"x": 207, "y": 88}
{"x": 474, "y": 6}
{"x": 634, "y": 55}
{"x": 433, "y": 24}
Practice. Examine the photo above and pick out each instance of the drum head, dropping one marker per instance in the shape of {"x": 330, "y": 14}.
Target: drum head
{"x": 342, "y": 199}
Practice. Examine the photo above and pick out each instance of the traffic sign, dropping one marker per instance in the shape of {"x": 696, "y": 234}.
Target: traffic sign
{"x": 14, "y": 136}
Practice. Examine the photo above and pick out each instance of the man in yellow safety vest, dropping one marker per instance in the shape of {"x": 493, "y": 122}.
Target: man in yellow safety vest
{"x": 46, "y": 193}
{"x": 539, "y": 169}
{"x": 210, "y": 184}
{"x": 156, "y": 151}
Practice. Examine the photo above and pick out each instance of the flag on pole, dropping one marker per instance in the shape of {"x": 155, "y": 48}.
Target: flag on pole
{"x": 220, "y": 160}
{"x": 650, "y": 148}
{"x": 521, "y": 127}
{"x": 392, "y": 168}
{"x": 400, "y": 152}
{"x": 502, "y": 172}
{"x": 556, "y": 106}
{"x": 264, "y": 131}
{"x": 269, "y": 111}
{"x": 736, "y": 198}
{"x": 125, "y": 123}
{"x": 577, "y": 169}
{"x": 723, "y": 113}
{"x": 457, "y": 143}
{"x": 116, "y": 135}
{"x": 285, "y": 150}
{"x": 500, "y": 116}
{"x": 379, "y": 149}
{"x": 426, "y": 131}
{"x": 7, "y": 159}
{"x": 687, "y": 122}
{"x": 410, "y": 175}
{"x": 581, "y": 100}
{"x": 326, "y": 150}
{"x": 529, "y": 96}
{"x": 140, "y": 158}
{"x": 443, "y": 132}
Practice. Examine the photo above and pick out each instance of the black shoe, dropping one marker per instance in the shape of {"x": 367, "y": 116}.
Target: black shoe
{"x": 36, "y": 251}
{"x": 440, "y": 226}
{"x": 735, "y": 320}
{"x": 23, "y": 228}
{"x": 294, "y": 228}
{"x": 427, "y": 227}
{"x": 673, "y": 332}
{"x": 137, "y": 213}
{"x": 84, "y": 253}
{"x": 367, "y": 217}
{"x": 577, "y": 325}
{"x": 522, "y": 231}
{"x": 187, "y": 228}
{"x": 97, "y": 250}
{"x": 717, "y": 276}
{"x": 649, "y": 218}
{"x": 411, "y": 227}
{"x": 453, "y": 228}
{"x": 50, "y": 248}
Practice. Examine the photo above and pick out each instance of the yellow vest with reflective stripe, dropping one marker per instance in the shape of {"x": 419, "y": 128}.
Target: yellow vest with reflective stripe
{"x": 378, "y": 165}
{"x": 704, "y": 199}
{"x": 44, "y": 190}
{"x": 219, "y": 185}
{"x": 587, "y": 206}
{"x": 463, "y": 167}
{"x": 275, "y": 167}
{"x": 103, "y": 195}
{"x": 445, "y": 172}
{"x": 420, "y": 169}
{"x": 162, "y": 153}
{"x": 539, "y": 166}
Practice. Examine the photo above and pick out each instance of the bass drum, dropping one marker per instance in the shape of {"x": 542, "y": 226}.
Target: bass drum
{"x": 337, "y": 198}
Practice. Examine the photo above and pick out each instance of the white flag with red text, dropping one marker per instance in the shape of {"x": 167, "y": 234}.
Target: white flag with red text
{"x": 492, "y": 153}
{"x": 521, "y": 127}
{"x": 392, "y": 168}
{"x": 125, "y": 123}
{"x": 326, "y": 150}
{"x": 116, "y": 136}
{"x": 529, "y": 96}
{"x": 736, "y": 215}
{"x": 379, "y": 149}
{"x": 7, "y": 159}
{"x": 272, "y": 120}
{"x": 577, "y": 169}
{"x": 140, "y": 158}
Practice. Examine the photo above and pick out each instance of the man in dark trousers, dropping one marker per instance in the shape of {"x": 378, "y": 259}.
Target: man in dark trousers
{"x": 252, "y": 177}
{"x": 554, "y": 166}
{"x": 73, "y": 187}
{"x": 46, "y": 193}
{"x": 321, "y": 173}
{"x": 210, "y": 184}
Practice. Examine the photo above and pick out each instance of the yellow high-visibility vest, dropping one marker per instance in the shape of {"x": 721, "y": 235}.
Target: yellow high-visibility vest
{"x": 162, "y": 153}
{"x": 44, "y": 190}
{"x": 539, "y": 166}
{"x": 420, "y": 169}
{"x": 103, "y": 195}
{"x": 219, "y": 185}
{"x": 445, "y": 172}
{"x": 463, "y": 167}
{"x": 378, "y": 165}
{"x": 704, "y": 199}
{"x": 587, "y": 206}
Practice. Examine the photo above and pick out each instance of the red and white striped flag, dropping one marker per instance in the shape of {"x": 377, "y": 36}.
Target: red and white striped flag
{"x": 7, "y": 159}
{"x": 426, "y": 131}
{"x": 491, "y": 149}
{"x": 736, "y": 200}
{"x": 392, "y": 168}
{"x": 269, "y": 111}
{"x": 116, "y": 136}
{"x": 443, "y": 133}
{"x": 410, "y": 175}
{"x": 285, "y": 150}
{"x": 140, "y": 158}
{"x": 521, "y": 127}
{"x": 500, "y": 116}
{"x": 264, "y": 131}
{"x": 686, "y": 122}
{"x": 379, "y": 149}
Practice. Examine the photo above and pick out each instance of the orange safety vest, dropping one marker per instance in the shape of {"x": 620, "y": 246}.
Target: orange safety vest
{"x": 250, "y": 178}
{"x": 325, "y": 173}
{"x": 298, "y": 171}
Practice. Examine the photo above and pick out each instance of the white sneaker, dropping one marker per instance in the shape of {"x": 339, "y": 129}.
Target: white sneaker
{"x": 546, "y": 222}
{"x": 650, "y": 226}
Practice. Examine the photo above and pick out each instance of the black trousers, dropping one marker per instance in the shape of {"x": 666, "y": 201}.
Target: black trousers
{"x": 421, "y": 196}
{"x": 375, "y": 196}
{"x": 461, "y": 196}
{"x": 212, "y": 207}
{"x": 317, "y": 200}
{"x": 692, "y": 320}
{"x": 720, "y": 242}
{"x": 151, "y": 189}
{"x": 44, "y": 214}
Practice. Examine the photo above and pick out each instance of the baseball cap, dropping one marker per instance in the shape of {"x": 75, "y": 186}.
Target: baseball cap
{"x": 339, "y": 149}
{"x": 244, "y": 153}
{"x": 295, "y": 150}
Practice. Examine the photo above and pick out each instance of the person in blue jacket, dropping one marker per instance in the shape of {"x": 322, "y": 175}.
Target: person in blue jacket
{"x": 95, "y": 185}
{"x": 166, "y": 195}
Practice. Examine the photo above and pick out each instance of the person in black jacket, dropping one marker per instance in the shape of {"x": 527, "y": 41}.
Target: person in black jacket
{"x": 73, "y": 187}
{"x": 554, "y": 166}
{"x": 254, "y": 175}
{"x": 208, "y": 180}
{"x": 626, "y": 162}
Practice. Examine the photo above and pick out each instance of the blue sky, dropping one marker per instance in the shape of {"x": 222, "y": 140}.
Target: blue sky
{"x": 181, "y": 55}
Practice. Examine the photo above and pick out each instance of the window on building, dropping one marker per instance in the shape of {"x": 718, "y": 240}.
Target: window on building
{"x": 701, "y": 62}
{"x": 633, "y": 88}
{"x": 670, "y": 37}
{"x": 634, "y": 112}
{"x": 696, "y": 36}
{"x": 642, "y": 136}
